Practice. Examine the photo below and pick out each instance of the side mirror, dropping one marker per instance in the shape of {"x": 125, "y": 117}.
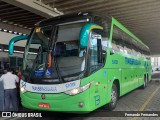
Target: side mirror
{"x": 14, "y": 40}
{"x": 84, "y": 33}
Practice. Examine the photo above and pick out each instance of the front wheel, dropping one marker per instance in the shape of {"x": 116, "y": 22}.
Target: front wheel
{"x": 114, "y": 98}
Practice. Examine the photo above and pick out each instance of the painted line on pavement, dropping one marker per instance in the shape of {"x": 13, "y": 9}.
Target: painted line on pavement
{"x": 147, "y": 101}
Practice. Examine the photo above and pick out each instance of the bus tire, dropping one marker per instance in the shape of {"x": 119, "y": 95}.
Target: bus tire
{"x": 145, "y": 83}
{"x": 114, "y": 98}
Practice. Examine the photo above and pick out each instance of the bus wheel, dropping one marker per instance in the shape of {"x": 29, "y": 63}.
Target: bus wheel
{"x": 114, "y": 98}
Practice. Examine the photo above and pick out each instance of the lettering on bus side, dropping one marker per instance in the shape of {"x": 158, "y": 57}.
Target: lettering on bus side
{"x": 146, "y": 66}
{"x": 132, "y": 61}
{"x": 114, "y": 61}
{"x": 97, "y": 99}
{"x": 43, "y": 89}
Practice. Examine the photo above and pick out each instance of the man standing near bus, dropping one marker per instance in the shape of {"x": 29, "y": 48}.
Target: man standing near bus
{"x": 9, "y": 81}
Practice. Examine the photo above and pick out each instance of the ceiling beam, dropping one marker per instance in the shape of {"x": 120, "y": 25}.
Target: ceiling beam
{"x": 80, "y": 4}
{"x": 14, "y": 28}
{"x": 11, "y": 12}
{"x": 136, "y": 11}
{"x": 28, "y": 19}
{"x": 2, "y": 5}
{"x": 98, "y": 6}
{"x": 18, "y": 15}
{"x": 125, "y": 5}
{"x": 66, "y": 3}
{"x": 138, "y": 15}
{"x": 146, "y": 19}
{"x": 48, "y": 1}
{"x": 9, "y": 9}
{"x": 34, "y": 7}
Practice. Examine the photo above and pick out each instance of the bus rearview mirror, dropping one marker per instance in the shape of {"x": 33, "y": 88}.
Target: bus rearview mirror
{"x": 84, "y": 33}
{"x": 14, "y": 40}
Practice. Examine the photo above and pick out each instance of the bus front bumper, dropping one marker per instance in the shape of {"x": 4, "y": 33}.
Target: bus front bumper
{"x": 56, "y": 102}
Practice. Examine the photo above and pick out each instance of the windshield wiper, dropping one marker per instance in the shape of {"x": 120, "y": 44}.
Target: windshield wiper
{"x": 58, "y": 71}
{"x": 53, "y": 46}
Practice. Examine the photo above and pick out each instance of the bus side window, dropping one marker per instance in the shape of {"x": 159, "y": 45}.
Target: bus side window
{"x": 121, "y": 49}
{"x": 97, "y": 50}
{"x": 125, "y": 50}
{"x": 104, "y": 48}
{"x": 115, "y": 48}
{"x": 133, "y": 52}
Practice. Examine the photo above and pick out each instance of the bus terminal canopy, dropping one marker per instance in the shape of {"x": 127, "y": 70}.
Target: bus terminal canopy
{"x": 140, "y": 17}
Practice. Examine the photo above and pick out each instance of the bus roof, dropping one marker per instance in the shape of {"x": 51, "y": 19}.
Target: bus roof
{"x": 69, "y": 17}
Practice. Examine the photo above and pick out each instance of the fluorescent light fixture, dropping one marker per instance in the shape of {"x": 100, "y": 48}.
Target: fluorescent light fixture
{"x": 4, "y": 21}
{"x": 55, "y": 9}
{"x": 5, "y": 50}
{"x": 20, "y": 25}
{"x": 5, "y": 30}
{"x": 10, "y": 22}
{"x": 15, "y": 32}
{"x": 16, "y": 51}
{"x": 20, "y": 33}
{"x": 32, "y": 53}
{"x": 85, "y": 13}
{"x": 10, "y": 31}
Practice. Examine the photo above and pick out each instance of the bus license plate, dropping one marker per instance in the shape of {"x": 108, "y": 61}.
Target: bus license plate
{"x": 43, "y": 105}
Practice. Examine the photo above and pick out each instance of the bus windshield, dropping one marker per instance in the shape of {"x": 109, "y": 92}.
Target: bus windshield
{"x": 56, "y": 57}
{"x": 67, "y": 49}
{"x": 38, "y": 41}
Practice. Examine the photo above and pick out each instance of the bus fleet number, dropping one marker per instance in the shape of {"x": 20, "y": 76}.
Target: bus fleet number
{"x": 70, "y": 85}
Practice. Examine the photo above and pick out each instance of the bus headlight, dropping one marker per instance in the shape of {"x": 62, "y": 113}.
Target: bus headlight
{"x": 78, "y": 90}
{"x": 23, "y": 90}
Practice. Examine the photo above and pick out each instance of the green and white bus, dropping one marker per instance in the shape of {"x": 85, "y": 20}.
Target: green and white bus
{"x": 80, "y": 62}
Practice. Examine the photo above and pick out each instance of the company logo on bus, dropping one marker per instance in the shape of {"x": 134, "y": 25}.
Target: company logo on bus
{"x": 43, "y": 96}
